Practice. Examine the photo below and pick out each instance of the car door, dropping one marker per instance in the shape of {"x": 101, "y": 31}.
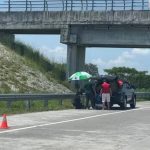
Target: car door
{"x": 128, "y": 92}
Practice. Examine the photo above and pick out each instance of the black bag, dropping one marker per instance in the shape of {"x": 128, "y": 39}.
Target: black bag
{"x": 77, "y": 102}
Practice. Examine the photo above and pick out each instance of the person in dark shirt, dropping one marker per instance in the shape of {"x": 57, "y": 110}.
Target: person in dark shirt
{"x": 89, "y": 89}
{"x": 77, "y": 101}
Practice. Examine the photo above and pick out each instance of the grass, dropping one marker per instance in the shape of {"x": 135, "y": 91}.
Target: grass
{"x": 18, "y": 107}
{"x": 145, "y": 99}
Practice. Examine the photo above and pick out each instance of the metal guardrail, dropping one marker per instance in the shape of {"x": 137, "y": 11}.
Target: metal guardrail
{"x": 73, "y": 5}
{"x": 22, "y": 97}
{"x": 27, "y": 98}
{"x": 143, "y": 94}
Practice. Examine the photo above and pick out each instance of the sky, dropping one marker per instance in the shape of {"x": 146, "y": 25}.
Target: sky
{"x": 104, "y": 58}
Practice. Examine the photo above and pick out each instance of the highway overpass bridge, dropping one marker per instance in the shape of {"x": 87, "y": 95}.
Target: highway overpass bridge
{"x": 81, "y": 24}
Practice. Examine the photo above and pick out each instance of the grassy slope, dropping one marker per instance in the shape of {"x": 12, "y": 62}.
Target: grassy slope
{"x": 19, "y": 74}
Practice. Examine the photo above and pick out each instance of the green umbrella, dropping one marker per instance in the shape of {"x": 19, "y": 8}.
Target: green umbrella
{"x": 80, "y": 76}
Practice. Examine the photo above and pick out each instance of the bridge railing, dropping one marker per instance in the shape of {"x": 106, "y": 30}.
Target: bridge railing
{"x": 73, "y": 5}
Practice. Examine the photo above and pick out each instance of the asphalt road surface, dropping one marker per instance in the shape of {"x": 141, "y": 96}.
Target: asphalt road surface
{"x": 79, "y": 130}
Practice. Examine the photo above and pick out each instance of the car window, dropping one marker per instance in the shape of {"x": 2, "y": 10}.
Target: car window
{"x": 124, "y": 86}
{"x": 128, "y": 86}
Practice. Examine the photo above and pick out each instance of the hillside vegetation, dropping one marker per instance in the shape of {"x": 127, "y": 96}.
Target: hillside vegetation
{"x": 28, "y": 71}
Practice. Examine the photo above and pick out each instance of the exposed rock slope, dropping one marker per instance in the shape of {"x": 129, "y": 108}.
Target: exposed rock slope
{"x": 16, "y": 75}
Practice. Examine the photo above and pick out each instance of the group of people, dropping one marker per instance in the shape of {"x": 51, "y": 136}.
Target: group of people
{"x": 94, "y": 92}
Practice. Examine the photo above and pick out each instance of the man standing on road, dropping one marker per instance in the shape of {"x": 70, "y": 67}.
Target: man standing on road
{"x": 105, "y": 93}
{"x": 90, "y": 94}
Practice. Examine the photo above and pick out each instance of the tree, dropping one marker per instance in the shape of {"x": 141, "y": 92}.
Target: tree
{"x": 92, "y": 69}
{"x": 140, "y": 79}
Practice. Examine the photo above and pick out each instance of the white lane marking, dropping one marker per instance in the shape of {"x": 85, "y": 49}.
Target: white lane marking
{"x": 78, "y": 131}
{"x": 72, "y": 120}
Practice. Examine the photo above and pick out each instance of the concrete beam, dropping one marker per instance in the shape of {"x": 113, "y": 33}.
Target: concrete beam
{"x": 125, "y": 36}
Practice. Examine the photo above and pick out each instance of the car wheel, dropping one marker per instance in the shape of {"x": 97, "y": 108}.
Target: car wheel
{"x": 133, "y": 104}
{"x": 123, "y": 105}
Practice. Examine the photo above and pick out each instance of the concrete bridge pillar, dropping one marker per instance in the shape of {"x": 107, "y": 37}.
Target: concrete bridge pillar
{"x": 75, "y": 51}
{"x": 75, "y": 58}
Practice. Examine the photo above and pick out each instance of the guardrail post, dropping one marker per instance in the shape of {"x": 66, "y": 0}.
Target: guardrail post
{"x": 86, "y": 4}
{"x": 46, "y": 104}
{"x": 112, "y": 5}
{"x": 30, "y": 5}
{"x": 92, "y": 5}
{"x": 28, "y": 104}
{"x": 63, "y": 4}
{"x": 106, "y": 4}
{"x": 45, "y": 5}
{"x": 9, "y": 7}
{"x": 60, "y": 102}
{"x": 71, "y": 4}
{"x": 132, "y": 4}
{"x": 124, "y": 4}
{"x": 81, "y": 4}
{"x": 66, "y": 5}
{"x": 142, "y": 4}
{"x": 83, "y": 99}
{"x": 9, "y": 103}
{"x": 26, "y": 5}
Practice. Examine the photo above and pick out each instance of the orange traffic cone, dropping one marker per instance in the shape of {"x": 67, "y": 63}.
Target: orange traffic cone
{"x": 4, "y": 122}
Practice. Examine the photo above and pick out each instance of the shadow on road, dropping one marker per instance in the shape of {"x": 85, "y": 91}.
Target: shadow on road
{"x": 118, "y": 108}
